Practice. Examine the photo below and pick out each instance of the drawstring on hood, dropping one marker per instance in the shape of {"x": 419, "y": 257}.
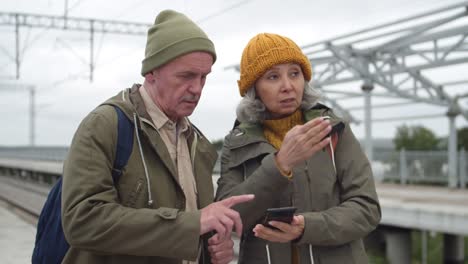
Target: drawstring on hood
{"x": 135, "y": 119}
{"x": 268, "y": 253}
{"x": 332, "y": 154}
{"x": 311, "y": 254}
{"x": 150, "y": 198}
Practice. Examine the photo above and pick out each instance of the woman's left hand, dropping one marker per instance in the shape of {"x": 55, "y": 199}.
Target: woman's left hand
{"x": 285, "y": 233}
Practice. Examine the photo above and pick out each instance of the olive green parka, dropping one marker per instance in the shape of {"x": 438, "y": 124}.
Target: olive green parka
{"x": 140, "y": 219}
{"x": 339, "y": 207}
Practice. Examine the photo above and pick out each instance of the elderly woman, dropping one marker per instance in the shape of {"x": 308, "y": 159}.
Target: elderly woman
{"x": 289, "y": 150}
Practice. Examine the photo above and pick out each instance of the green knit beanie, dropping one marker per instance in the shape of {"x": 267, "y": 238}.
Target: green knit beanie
{"x": 172, "y": 35}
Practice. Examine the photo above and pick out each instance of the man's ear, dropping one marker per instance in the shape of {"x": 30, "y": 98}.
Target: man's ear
{"x": 149, "y": 77}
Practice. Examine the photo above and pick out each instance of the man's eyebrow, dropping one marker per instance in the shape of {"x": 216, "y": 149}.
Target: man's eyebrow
{"x": 186, "y": 73}
{"x": 189, "y": 72}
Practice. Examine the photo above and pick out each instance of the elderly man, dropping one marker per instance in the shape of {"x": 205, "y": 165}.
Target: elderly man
{"x": 160, "y": 210}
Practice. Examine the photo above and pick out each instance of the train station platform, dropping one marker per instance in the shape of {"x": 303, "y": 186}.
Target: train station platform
{"x": 17, "y": 234}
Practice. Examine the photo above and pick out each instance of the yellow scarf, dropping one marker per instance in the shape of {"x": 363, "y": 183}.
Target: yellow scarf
{"x": 275, "y": 129}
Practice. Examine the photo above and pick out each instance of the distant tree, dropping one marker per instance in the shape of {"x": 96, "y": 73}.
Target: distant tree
{"x": 415, "y": 138}
{"x": 418, "y": 138}
{"x": 462, "y": 138}
{"x": 218, "y": 144}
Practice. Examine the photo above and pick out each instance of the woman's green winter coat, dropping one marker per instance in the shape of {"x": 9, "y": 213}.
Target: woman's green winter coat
{"x": 339, "y": 208}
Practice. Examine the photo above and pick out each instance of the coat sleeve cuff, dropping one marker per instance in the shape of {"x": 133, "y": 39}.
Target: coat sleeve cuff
{"x": 191, "y": 243}
{"x": 313, "y": 227}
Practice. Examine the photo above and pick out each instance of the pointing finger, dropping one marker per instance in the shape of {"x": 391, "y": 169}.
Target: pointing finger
{"x": 231, "y": 201}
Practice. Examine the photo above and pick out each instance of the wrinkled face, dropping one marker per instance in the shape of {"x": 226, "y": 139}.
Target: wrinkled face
{"x": 281, "y": 88}
{"x": 176, "y": 86}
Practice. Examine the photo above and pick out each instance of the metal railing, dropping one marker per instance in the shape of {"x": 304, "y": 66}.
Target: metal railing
{"x": 404, "y": 167}
{"x": 35, "y": 153}
{"x": 418, "y": 167}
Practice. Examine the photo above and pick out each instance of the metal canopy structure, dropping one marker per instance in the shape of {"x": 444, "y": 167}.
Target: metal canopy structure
{"x": 394, "y": 56}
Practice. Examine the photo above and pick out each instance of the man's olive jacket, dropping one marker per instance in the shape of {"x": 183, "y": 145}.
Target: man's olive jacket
{"x": 107, "y": 222}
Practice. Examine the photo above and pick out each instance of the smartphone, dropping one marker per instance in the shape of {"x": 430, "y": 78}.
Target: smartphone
{"x": 335, "y": 128}
{"x": 282, "y": 214}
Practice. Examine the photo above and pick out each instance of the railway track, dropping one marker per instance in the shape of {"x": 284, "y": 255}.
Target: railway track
{"x": 24, "y": 197}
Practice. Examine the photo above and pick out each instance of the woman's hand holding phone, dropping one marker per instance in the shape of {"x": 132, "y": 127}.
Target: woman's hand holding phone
{"x": 281, "y": 232}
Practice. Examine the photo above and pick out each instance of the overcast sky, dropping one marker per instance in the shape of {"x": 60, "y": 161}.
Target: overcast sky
{"x": 55, "y": 62}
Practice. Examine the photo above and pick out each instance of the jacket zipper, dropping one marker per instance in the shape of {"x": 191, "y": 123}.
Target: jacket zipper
{"x": 311, "y": 253}
{"x": 194, "y": 150}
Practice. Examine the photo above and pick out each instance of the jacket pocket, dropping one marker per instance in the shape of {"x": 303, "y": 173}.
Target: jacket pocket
{"x": 167, "y": 213}
{"x": 135, "y": 193}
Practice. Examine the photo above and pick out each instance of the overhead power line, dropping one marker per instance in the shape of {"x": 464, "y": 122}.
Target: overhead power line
{"x": 73, "y": 23}
{"x": 19, "y": 20}
{"x": 223, "y": 11}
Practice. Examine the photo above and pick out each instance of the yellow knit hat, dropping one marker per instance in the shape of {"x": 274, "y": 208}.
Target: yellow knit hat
{"x": 263, "y": 52}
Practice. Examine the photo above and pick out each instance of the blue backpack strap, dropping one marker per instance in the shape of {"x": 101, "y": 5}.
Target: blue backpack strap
{"x": 50, "y": 245}
{"x": 124, "y": 144}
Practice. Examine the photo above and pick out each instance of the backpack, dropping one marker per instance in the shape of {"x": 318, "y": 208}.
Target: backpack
{"x": 51, "y": 246}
